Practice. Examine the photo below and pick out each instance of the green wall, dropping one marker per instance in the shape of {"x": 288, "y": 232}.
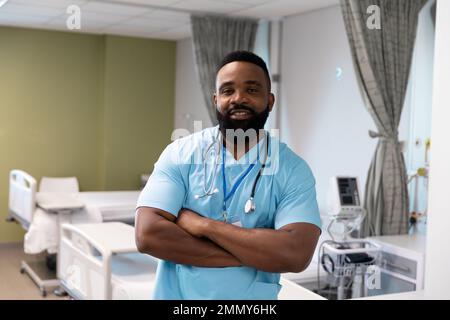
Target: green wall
{"x": 96, "y": 107}
{"x": 139, "y": 108}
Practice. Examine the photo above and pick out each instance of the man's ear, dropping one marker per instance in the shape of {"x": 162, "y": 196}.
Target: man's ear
{"x": 271, "y": 101}
{"x": 214, "y": 99}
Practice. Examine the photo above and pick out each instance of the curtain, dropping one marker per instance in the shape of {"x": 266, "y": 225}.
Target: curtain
{"x": 433, "y": 12}
{"x": 214, "y": 37}
{"x": 382, "y": 60}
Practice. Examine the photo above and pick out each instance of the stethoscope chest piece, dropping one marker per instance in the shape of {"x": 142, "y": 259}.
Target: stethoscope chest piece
{"x": 250, "y": 206}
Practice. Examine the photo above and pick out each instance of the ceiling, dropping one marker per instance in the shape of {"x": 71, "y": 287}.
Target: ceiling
{"x": 161, "y": 19}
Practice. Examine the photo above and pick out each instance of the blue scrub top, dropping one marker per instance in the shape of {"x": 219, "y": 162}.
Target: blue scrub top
{"x": 285, "y": 194}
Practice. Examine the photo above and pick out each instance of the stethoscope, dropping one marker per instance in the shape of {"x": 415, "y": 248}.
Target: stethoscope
{"x": 250, "y": 205}
{"x": 209, "y": 191}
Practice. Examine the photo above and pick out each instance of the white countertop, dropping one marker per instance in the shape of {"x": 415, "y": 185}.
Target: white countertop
{"x": 413, "y": 295}
{"x": 292, "y": 288}
{"x": 292, "y": 291}
{"x": 416, "y": 244}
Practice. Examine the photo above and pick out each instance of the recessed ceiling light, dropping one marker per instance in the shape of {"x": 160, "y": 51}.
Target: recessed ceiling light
{"x": 2, "y": 2}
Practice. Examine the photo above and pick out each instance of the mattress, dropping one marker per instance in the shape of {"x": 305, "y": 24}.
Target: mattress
{"x": 106, "y": 206}
{"x": 132, "y": 278}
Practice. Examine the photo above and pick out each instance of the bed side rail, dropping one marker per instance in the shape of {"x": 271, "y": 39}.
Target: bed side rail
{"x": 83, "y": 262}
{"x": 22, "y": 197}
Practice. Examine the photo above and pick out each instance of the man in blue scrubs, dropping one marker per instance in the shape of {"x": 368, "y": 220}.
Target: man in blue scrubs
{"x": 196, "y": 215}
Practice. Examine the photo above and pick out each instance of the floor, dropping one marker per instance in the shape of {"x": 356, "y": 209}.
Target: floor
{"x": 13, "y": 284}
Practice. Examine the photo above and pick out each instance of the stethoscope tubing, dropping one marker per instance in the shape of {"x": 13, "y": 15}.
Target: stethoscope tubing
{"x": 209, "y": 191}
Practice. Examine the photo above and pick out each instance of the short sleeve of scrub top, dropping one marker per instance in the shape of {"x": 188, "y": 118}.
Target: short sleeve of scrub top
{"x": 298, "y": 202}
{"x": 165, "y": 189}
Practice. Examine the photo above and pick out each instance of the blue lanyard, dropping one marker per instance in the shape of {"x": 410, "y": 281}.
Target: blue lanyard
{"x": 236, "y": 185}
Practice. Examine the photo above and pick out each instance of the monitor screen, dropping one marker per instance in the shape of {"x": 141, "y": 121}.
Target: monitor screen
{"x": 348, "y": 191}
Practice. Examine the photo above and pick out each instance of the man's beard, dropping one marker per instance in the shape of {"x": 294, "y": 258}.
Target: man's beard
{"x": 255, "y": 122}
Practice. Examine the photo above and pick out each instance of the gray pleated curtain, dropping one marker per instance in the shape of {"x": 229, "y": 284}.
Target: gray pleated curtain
{"x": 382, "y": 60}
{"x": 433, "y": 12}
{"x": 214, "y": 37}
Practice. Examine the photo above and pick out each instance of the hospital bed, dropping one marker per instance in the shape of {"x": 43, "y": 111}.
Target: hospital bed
{"x": 101, "y": 261}
{"x": 23, "y": 204}
{"x": 42, "y": 213}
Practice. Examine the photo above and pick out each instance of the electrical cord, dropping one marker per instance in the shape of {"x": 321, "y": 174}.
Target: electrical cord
{"x": 320, "y": 253}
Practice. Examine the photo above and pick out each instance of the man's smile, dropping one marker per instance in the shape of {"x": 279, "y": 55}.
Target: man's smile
{"x": 241, "y": 115}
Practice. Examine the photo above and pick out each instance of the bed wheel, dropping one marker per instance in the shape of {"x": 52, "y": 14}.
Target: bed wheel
{"x": 60, "y": 292}
{"x": 22, "y": 270}
{"x": 43, "y": 293}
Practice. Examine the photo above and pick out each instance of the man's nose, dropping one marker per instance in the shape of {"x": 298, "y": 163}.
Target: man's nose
{"x": 239, "y": 97}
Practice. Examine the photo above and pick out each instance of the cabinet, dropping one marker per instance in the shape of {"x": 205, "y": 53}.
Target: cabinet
{"x": 402, "y": 263}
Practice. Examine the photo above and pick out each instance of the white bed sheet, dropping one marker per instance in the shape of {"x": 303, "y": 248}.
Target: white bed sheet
{"x": 106, "y": 206}
{"x": 133, "y": 277}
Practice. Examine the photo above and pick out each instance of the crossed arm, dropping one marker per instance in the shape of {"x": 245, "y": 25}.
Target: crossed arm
{"x": 195, "y": 240}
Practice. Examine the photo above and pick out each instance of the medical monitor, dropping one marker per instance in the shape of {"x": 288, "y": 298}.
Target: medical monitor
{"x": 344, "y": 196}
{"x": 348, "y": 191}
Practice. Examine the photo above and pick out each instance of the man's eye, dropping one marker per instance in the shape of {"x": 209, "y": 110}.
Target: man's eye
{"x": 252, "y": 90}
{"x": 227, "y": 91}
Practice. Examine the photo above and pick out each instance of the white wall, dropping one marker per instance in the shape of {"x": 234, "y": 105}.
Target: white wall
{"x": 323, "y": 117}
{"x": 420, "y": 100}
{"x": 189, "y": 102}
{"x": 437, "y": 276}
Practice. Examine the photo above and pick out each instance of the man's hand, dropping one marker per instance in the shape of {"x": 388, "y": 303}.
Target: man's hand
{"x": 192, "y": 222}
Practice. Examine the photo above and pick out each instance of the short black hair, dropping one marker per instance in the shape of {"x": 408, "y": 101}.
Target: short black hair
{"x": 246, "y": 56}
